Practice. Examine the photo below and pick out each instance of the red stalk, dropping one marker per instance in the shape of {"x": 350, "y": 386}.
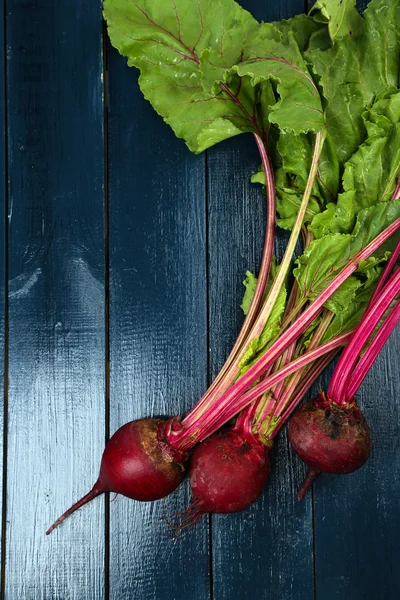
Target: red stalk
{"x": 337, "y": 390}
{"x": 213, "y": 391}
{"x": 312, "y": 374}
{"x": 191, "y": 437}
{"x": 296, "y": 378}
{"x": 372, "y": 352}
{"x": 229, "y": 404}
{"x": 207, "y": 403}
{"x": 385, "y": 275}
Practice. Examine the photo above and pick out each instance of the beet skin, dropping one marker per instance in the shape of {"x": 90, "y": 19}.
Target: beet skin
{"x": 329, "y": 438}
{"x": 137, "y": 462}
{"x": 227, "y": 473}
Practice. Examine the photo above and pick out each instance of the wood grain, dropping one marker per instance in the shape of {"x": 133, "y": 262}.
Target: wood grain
{"x": 56, "y": 298}
{"x": 158, "y": 328}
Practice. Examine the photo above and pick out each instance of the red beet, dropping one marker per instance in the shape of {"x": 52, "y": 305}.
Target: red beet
{"x": 227, "y": 474}
{"x": 329, "y": 438}
{"x": 137, "y": 462}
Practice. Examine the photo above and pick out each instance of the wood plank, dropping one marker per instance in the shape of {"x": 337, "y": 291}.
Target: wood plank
{"x": 158, "y": 337}
{"x": 3, "y": 179}
{"x": 56, "y": 298}
{"x": 266, "y": 551}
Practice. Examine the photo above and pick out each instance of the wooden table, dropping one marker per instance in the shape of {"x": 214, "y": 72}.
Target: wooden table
{"x": 122, "y": 267}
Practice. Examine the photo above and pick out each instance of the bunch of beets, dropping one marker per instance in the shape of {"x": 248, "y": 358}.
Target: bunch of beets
{"x": 320, "y": 96}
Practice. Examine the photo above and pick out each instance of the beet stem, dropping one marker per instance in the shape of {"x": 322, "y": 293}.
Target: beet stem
{"x": 309, "y": 479}
{"x": 216, "y": 388}
{"x": 94, "y": 492}
{"x": 230, "y": 403}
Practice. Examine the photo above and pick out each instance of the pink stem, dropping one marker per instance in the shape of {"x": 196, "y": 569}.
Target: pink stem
{"x": 338, "y": 385}
{"x": 296, "y": 377}
{"x": 302, "y": 361}
{"x": 233, "y": 370}
{"x": 288, "y": 355}
{"x": 368, "y": 358}
{"x": 215, "y": 389}
{"x": 192, "y": 436}
{"x": 229, "y": 405}
{"x": 385, "y": 275}
{"x": 264, "y": 404}
{"x": 298, "y": 363}
{"x": 312, "y": 374}
{"x": 396, "y": 193}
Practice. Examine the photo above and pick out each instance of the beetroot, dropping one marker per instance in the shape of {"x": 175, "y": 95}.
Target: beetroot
{"x": 329, "y": 438}
{"x": 137, "y": 462}
{"x": 330, "y": 434}
{"x": 227, "y": 473}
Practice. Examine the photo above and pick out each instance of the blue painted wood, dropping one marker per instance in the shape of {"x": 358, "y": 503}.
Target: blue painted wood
{"x": 158, "y": 327}
{"x": 56, "y": 298}
{"x": 3, "y": 152}
{"x": 266, "y": 551}
{"x": 158, "y": 335}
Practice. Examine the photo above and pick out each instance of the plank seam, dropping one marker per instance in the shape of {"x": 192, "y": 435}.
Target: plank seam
{"x": 5, "y": 322}
{"x": 207, "y": 238}
{"x": 106, "y": 302}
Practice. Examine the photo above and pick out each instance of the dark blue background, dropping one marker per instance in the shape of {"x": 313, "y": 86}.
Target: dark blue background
{"x": 121, "y": 266}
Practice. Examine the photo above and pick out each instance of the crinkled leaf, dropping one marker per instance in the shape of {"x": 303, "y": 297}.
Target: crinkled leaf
{"x": 337, "y": 218}
{"x": 261, "y": 54}
{"x": 291, "y": 179}
{"x": 302, "y": 27}
{"x": 369, "y": 272}
{"x": 344, "y": 295}
{"x": 354, "y": 70}
{"x": 165, "y": 41}
{"x": 325, "y": 257}
{"x": 370, "y": 174}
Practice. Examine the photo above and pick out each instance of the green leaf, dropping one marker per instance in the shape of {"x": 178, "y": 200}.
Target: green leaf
{"x": 325, "y": 257}
{"x": 260, "y": 345}
{"x": 261, "y": 54}
{"x": 370, "y": 270}
{"x": 341, "y": 16}
{"x": 337, "y": 218}
{"x": 250, "y": 283}
{"x": 354, "y": 70}
{"x": 165, "y": 40}
{"x": 301, "y": 27}
{"x": 309, "y": 332}
{"x": 295, "y": 155}
{"x": 370, "y": 174}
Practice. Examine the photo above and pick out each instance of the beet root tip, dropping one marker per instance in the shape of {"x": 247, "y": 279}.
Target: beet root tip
{"x": 309, "y": 479}
{"x": 94, "y": 492}
{"x": 138, "y": 462}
